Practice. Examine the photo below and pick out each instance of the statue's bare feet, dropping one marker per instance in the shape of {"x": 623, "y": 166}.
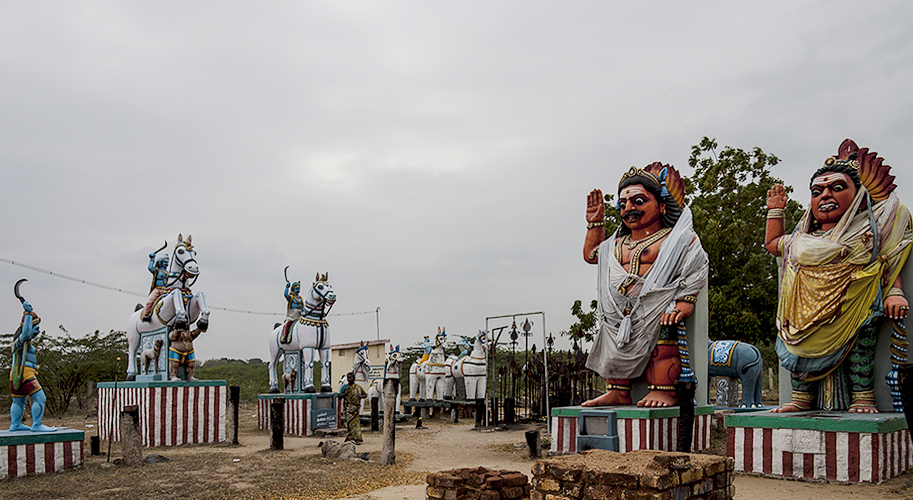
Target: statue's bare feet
{"x": 862, "y": 408}
{"x": 787, "y": 408}
{"x": 613, "y": 397}
{"x": 658, "y": 399}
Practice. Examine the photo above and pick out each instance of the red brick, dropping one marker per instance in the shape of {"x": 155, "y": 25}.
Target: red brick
{"x": 475, "y": 480}
{"x": 433, "y": 492}
{"x": 614, "y": 478}
{"x": 602, "y": 491}
{"x": 511, "y": 492}
{"x": 490, "y": 495}
{"x": 495, "y": 482}
{"x": 515, "y": 479}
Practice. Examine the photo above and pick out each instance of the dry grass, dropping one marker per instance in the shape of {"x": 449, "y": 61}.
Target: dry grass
{"x": 214, "y": 472}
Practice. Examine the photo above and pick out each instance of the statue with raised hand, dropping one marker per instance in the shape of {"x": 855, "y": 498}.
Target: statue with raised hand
{"x": 24, "y": 371}
{"x": 650, "y": 272}
{"x": 840, "y": 276}
{"x": 293, "y": 311}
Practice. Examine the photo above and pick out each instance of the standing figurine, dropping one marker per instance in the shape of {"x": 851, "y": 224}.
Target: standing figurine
{"x": 293, "y": 311}
{"x": 351, "y": 395}
{"x": 158, "y": 266}
{"x": 24, "y": 372}
{"x": 180, "y": 353}
{"x": 839, "y": 277}
{"x": 650, "y": 272}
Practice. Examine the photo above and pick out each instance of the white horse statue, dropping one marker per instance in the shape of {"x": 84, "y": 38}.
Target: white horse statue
{"x": 426, "y": 378}
{"x": 392, "y": 369}
{"x": 310, "y": 335}
{"x": 473, "y": 369}
{"x": 177, "y": 307}
{"x": 361, "y": 367}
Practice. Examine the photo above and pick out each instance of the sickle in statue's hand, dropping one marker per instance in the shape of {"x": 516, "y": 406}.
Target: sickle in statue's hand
{"x": 16, "y": 289}
{"x": 285, "y": 271}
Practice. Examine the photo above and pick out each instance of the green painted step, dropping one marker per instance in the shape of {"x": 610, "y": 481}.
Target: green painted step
{"x": 821, "y": 421}
{"x": 630, "y": 411}
{"x": 162, "y": 383}
{"x": 8, "y": 438}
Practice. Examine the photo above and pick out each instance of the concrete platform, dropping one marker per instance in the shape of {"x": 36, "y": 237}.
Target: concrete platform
{"x": 26, "y": 453}
{"x": 171, "y": 413}
{"x": 840, "y": 446}
{"x": 638, "y": 428}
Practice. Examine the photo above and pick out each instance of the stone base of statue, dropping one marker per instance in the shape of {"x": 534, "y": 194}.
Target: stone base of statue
{"x": 839, "y": 446}
{"x": 171, "y": 413}
{"x": 302, "y": 413}
{"x": 31, "y": 453}
{"x": 638, "y": 428}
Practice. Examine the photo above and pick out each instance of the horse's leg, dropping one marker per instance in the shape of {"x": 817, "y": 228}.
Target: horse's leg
{"x": 307, "y": 361}
{"x": 180, "y": 313}
{"x": 325, "y": 371}
{"x": 413, "y": 382}
{"x": 199, "y": 303}
{"x": 274, "y": 352}
{"x": 132, "y": 345}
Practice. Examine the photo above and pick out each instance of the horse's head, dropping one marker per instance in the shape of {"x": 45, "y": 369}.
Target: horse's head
{"x": 184, "y": 264}
{"x": 482, "y": 341}
{"x": 393, "y": 361}
{"x": 322, "y": 294}
{"x": 361, "y": 357}
{"x": 441, "y": 338}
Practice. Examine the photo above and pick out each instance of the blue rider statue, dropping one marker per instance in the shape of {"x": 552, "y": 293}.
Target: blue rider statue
{"x": 24, "y": 372}
{"x": 158, "y": 266}
{"x": 293, "y": 313}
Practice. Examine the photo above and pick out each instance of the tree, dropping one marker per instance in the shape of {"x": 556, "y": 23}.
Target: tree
{"x": 728, "y": 194}
{"x": 67, "y": 364}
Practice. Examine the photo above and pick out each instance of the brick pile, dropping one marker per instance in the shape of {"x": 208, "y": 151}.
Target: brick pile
{"x": 477, "y": 483}
{"x": 641, "y": 474}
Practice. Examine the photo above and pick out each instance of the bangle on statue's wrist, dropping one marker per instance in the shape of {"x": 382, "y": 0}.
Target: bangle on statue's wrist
{"x": 776, "y": 213}
{"x": 593, "y": 225}
{"x": 687, "y": 298}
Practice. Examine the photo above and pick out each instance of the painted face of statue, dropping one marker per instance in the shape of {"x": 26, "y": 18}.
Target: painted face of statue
{"x": 639, "y": 208}
{"x": 832, "y": 195}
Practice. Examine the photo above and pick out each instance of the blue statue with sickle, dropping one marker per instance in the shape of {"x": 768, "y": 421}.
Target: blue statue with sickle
{"x": 24, "y": 372}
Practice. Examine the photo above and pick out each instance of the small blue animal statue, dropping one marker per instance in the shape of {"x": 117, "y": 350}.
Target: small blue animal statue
{"x": 732, "y": 358}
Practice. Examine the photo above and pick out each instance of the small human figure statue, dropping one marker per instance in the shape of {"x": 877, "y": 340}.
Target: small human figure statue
{"x": 24, "y": 372}
{"x": 650, "y": 272}
{"x": 465, "y": 345}
{"x": 180, "y": 352}
{"x": 427, "y": 346}
{"x": 840, "y": 276}
{"x": 293, "y": 312}
{"x": 158, "y": 266}
{"x": 352, "y": 394}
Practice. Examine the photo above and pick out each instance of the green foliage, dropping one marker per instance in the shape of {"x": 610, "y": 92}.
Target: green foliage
{"x": 251, "y": 376}
{"x": 66, "y": 364}
{"x": 728, "y": 199}
{"x": 585, "y": 326}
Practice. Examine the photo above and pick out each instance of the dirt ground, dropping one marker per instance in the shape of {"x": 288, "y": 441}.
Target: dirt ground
{"x": 251, "y": 471}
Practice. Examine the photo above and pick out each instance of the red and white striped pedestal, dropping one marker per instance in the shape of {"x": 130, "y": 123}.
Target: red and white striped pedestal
{"x": 838, "y": 446}
{"x": 301, "y": 419}
{"x": 27, "y": 453}
{"x": 638, "y": 428}
{"x": 170, "y": 413}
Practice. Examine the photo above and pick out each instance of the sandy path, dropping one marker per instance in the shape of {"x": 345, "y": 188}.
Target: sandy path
{"x": 444, "y": 446}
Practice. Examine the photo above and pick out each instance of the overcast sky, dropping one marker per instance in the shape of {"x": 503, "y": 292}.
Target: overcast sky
{"x": 433, "y": 157}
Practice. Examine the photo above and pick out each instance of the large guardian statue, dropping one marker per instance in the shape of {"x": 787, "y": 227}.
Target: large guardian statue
{"x": 650, "y": 272}
{"x": 840, "y": 276}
